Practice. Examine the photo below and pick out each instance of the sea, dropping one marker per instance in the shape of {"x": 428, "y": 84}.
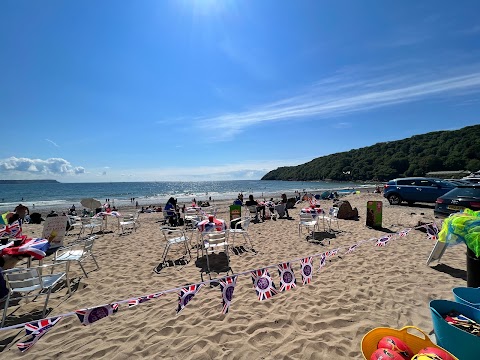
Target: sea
{"x": 63, "y": 195}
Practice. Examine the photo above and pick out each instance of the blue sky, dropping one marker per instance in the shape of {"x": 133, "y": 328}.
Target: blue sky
{"x": 225, "y": 89}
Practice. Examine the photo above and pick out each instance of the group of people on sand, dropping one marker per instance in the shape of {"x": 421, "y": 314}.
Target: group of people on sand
{"x": 261, "y": 206}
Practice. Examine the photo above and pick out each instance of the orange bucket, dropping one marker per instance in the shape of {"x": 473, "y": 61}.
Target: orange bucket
{"x": 414, "y": 341}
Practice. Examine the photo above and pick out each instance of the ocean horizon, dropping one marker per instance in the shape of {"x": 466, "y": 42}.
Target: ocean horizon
{"x": 48, "y": 195}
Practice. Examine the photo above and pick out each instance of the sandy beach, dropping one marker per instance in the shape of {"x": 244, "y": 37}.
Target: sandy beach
{"x": 326, "y": 319}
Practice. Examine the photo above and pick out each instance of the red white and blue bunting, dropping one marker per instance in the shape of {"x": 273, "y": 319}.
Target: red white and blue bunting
{"x": 262, "y": 281}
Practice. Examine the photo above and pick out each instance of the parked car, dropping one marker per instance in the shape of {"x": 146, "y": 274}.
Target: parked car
{"x": 464, "y": 196}
{"x": 415, "y": 189}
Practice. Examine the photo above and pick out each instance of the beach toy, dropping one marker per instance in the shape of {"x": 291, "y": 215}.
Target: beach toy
{"x": 412, "y": 336}
{"x": 395, "y": 344}
{"x": 458, "y": 342}
{"x": 434, "y": 353}
{"x": 386, "y": 354}
{"x": 468, "y": 296}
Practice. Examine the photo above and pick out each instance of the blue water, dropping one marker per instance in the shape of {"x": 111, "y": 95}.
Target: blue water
{"x": 63, "y": 195}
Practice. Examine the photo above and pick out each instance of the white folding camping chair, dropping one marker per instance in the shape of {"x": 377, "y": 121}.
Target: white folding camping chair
{"x": 308, "y": 222}
{"x": 174, "y": 236}
{"x": 241, "y": 228}
{"x": 29, "y": 280}
{"x": 332, "y": 216}
{"x": 215, "y": 240}
{"x": 127, "y": 222}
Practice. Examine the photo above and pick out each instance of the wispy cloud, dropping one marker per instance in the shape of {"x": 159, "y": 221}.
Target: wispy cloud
{"x": 52, "y": 142}
{"x": 341, "y": 95}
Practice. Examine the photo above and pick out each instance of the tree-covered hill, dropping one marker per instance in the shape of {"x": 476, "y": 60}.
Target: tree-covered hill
{"x": 414, "y": 156}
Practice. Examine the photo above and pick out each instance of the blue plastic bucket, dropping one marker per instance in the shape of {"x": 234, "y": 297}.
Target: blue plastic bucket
{"x": 463, "y": 345}
{"x": 468, "y": 296}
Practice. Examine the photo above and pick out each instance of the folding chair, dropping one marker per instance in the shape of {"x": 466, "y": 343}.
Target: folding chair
{"x": 91, "y": 223}
{"x": 213, "y": 240}
{"x": 174, "y": 236}
{"x": 307, "y": 221}
{"x": 128, "y": 222}
{"x": 27, "y": 280}
{"x": 253, "y": 210}
{"x": 77, "y": 253}
{"x": 332, "y": 216}
{"x": 241, "y": 227}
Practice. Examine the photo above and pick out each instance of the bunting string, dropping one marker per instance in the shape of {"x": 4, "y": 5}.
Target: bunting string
{"x": 260, "y": 276}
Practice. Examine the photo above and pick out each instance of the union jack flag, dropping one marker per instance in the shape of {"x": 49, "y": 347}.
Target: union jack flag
{"x": 263, "y": 284}
{"x": 186, "y": 294}
{"x": 307, "y": 270}
{"x": 227, "y": 286}
{"x": 142, "y": 299}
{"x": 432, "y": 231}
{"x": 404, "y": 233}
{"x": 89, "y": 316}
{"x": 352, "y": 248}
{"x": 287, "y": 277}
{"x": 323, "y": 261}
{"x": 36, "y": 248}
{"x": 331, "y": 253}
{"x": 13, "y": 230}
{"x": 36, "y": 330}
{"x": 383, "y": 241}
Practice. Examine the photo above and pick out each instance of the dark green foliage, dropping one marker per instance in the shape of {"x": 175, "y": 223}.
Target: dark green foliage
{"x": 415, "y": 156}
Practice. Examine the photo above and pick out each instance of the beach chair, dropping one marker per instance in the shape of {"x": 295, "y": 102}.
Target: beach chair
{"x": 127, "y": 222}
{"x": 29, "y": 280}
{"x": 307, "y": 221}
{"x": 253, "y": 210}
{"x": 216, "y": 240}
{"x": 77, "y": 252}
{"x": 190, "y": 214}
{"x": 92, "y": 224}
{"x": 241, "y": 228}
{"x": 332, "y": 216}
{"x": 174, "y": 236}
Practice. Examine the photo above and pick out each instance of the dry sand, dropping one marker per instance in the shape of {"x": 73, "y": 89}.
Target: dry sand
{"x": 389, "y": 286}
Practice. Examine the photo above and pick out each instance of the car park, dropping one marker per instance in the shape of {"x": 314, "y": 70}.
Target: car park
{"x": 415, "y": 189}
{"x": 464, "y": 196}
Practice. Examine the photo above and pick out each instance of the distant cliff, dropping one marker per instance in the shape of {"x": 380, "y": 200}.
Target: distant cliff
{"x": 28, "y": 181}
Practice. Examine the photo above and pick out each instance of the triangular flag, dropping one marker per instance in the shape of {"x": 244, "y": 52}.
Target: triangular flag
{"x": 263, "y": 284}
{"x": 186, "y": 294}
{"x": 227, "y": 286}
{"x": 36, "y": 330}
{"x": 383, "y": 241}
{"x": 142, "y": 299}
{"x": 323, "y": 261}
{"x": 287, "y": 277}
{"x": 89, "y": 316}
{"x": 307, "y": 270}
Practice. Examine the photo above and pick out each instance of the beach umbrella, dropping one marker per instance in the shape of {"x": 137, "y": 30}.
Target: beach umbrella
{"x": 91, "y": 203}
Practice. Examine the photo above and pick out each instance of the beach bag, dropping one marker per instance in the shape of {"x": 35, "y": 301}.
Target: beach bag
{"x": 460, "y": 343}
{"x": 406, "y": 334}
